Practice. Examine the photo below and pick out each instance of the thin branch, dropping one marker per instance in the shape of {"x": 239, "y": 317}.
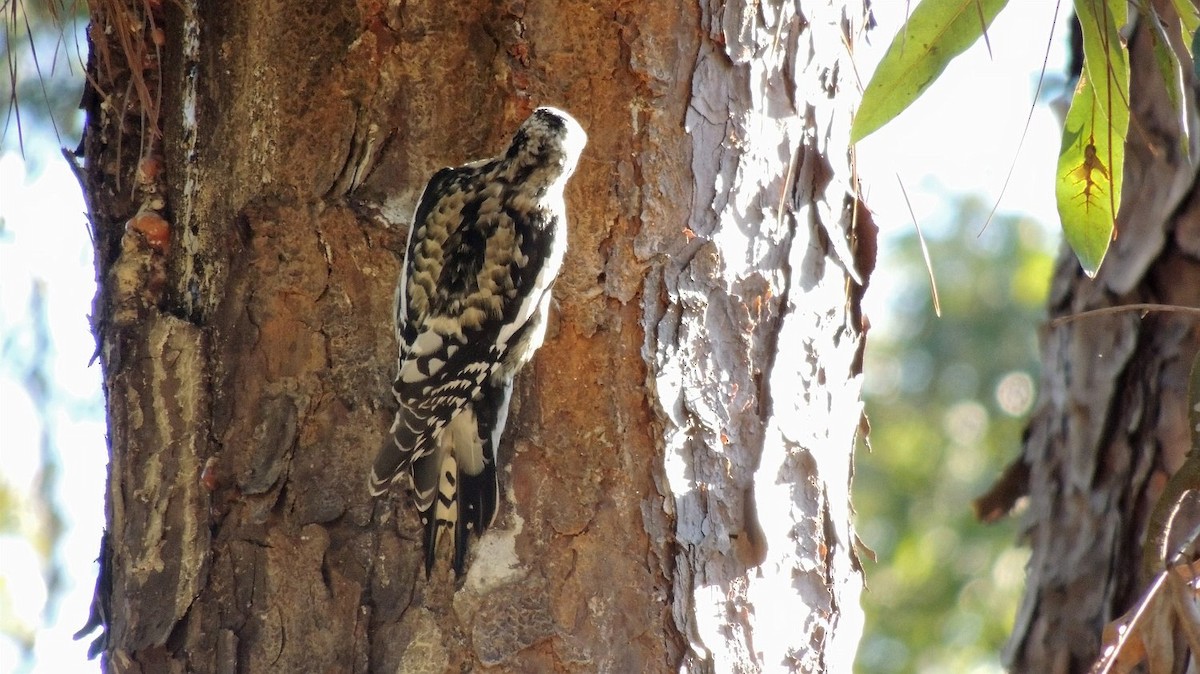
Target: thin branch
{"x": 937, "y": 303}
{"x": 1146, "y": 307}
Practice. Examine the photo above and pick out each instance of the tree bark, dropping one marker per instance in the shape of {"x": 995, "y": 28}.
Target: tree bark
{"x": 755, "y": 331}
{"x": 677, "y": 465}
{"x": 1111, "y": 424}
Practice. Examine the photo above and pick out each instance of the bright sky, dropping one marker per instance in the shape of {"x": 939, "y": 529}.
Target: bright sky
{"x": 960, "y": 138}
{"x": 962, "y": 135}
{"x": 44, "y": 243}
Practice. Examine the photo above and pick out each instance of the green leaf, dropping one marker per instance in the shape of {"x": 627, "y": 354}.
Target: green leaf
{"x": 1189, "y": 15}
{"x": 1171, "y": 71}
{"x": 1196, "y": 48}
{"x": 1189, "y": 20}
{"x": 1091, "y": 161}
{"x": 937, "y": 31}
{"x": 1165, "y": 59}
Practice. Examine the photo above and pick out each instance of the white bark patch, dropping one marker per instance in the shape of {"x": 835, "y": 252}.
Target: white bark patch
{"x": 754, "y": 357}
{"x": 190, "y": 129}
{"x": 495, "y": 561}
{"x": 161, "y": 504}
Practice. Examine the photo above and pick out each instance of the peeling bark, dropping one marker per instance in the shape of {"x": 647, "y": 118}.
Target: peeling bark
{"x": 678, "y": 459}
{"x": 757, "y": 350}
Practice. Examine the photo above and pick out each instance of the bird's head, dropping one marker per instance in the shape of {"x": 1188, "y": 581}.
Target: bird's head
{"x": 550, "y": 141}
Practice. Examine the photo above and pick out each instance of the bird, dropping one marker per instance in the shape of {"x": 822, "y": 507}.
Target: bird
{"x": 484, "y": 248}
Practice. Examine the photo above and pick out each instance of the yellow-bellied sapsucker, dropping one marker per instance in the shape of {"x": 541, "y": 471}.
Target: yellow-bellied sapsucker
{"x": 485, "y": 246}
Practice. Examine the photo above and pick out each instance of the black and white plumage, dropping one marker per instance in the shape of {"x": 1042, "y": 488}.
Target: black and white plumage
{"x": 484, "y": 249}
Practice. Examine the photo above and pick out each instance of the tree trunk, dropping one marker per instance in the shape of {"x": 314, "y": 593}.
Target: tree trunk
{"x": 677, "y": 465}
{"x": 1112, "y": 421}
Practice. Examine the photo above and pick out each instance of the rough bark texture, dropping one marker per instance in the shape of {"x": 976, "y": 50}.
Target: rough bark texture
{"x": 275, "y": 150}
{"x": 1111, "y": 424}
{"x": 756, "y": 350}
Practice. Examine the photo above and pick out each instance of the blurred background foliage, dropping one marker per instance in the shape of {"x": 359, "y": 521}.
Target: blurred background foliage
{"x": 44, "y": 51}
{"x": 947, "y": 398}
{"x": 48, "y": 395}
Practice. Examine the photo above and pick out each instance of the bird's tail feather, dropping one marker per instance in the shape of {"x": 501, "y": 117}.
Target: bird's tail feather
{"x": 478, "y": 495}
{"x": 463, "y": 503}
